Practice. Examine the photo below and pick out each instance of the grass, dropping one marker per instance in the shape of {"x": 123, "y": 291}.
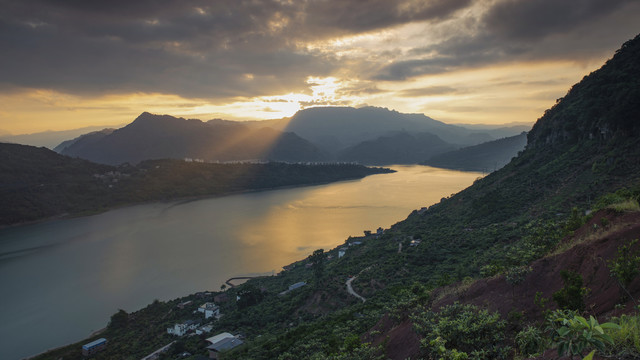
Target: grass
{"x": 626, "y": 340}
{"x": 630, "y": 205}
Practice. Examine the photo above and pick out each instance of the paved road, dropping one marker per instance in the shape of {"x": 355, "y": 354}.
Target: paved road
{"x": 350, "y": 289}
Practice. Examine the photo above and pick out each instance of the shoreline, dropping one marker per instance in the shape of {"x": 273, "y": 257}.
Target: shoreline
{"x": 179, "y": 200}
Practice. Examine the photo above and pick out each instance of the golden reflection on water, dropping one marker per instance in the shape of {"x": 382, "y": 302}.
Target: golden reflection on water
{"x": 324, "y": 216}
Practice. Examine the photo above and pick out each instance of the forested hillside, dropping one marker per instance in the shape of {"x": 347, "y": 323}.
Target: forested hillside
{"x": 37, "y": 183}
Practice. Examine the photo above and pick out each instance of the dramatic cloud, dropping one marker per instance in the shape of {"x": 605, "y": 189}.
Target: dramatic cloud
{"x": 239, "y": 55}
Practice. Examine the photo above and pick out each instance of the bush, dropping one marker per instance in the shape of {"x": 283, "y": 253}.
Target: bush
{"x": 625, "y": 267}
{"x": 464, "y": 329}
{"x": 577, "y": 335}
{"x": 531, "y": 341}
{"x": 571, "y": 296}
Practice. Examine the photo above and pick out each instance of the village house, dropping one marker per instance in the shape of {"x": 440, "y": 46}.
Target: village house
{"x": 183, "y": 328}
{"x": 222, "y": 342}
{"x": 204, "y": 329}
{"x": 209, "y": 310}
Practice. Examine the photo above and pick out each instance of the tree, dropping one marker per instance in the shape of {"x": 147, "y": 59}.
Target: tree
{"x": 249, "y": 295}
{"x": 571, "y": 296}
{"x": 317, "y": 263}
{"x": 119, "y": 320}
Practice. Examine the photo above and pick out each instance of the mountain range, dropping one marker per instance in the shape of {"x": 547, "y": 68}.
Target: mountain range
{"x": 366, "y": 135}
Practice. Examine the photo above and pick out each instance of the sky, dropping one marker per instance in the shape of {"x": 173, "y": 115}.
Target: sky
{"x": 68, "y": 64}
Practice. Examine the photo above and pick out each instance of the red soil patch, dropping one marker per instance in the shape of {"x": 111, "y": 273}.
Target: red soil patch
{"x": 588, "y": 259}
{"x": 595, "y": 246}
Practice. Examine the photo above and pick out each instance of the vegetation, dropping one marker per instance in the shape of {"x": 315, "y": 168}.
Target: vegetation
{"x": 625, "y": 267}
{"x": 458, "y": 331}
{"x": 575, "y": 334}
{"x": 571, "y": 296}
{"x": 36, "y": 183}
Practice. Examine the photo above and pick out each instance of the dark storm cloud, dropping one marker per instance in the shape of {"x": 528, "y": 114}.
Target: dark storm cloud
{"x": 358, "y": 16}
{"x": 525, "y": 30}
{"x": 196, "y": 48}
{"x": 533, "y": 19}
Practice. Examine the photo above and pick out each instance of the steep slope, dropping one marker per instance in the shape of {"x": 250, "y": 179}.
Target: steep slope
{"x": 158, "y": 137}
{"x": 486, "y": 157}
{"x": 400, "y": 148}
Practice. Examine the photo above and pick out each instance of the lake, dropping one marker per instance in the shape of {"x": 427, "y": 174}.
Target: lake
{"x": 63, "y": 279}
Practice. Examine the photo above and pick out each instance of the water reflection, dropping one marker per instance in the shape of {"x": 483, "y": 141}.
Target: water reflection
{"x": 74, "y": 274}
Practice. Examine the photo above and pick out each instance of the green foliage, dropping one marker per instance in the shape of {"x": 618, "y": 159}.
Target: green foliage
{"x": 249, "y": 295}
{"x": 119, "y": 320}
{"x": 465, "y": 329}
{"x": 575, "y": 221}
{"x": 625, "y": 267}
{"x": 317, "y": 260}
{"x": 577, "y": 335}
{"x": 531, "y": 341}
{"x": 624, "y": 199}
{"x": 517, "y": 275}
{"x": 571, "y": 296}
{"x": 626, "y": 338}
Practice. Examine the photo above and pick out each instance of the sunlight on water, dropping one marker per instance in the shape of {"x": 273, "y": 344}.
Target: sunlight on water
{"x": 73, "y": 274}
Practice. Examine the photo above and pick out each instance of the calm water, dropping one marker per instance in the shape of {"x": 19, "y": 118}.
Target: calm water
{"x": 62, "y": 279}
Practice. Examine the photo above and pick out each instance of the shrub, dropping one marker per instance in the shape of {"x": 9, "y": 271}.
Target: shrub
{"x": 571, "y": 296}
{"x": 625, "y": 267}
{"x": 577, "y": 335}
{"x": 531, "y": 341}
{"x": 464, "y": 329}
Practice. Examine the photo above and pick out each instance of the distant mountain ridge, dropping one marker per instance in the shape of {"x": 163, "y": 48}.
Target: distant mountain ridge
{"x": 486, "y": 157}
{"x": 341, "y": 127}
{"x": 367, "y": 135}
{"x": 399, "y": 148}
{"x": 162, "y": 136}
{"x": 48, "y": 139}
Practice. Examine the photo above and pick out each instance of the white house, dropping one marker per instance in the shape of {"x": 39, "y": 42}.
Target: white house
{"x": 209, "y": 309}
{"x": 182, "y": 329}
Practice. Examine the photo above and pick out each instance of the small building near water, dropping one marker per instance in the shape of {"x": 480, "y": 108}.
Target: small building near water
{"x": 94, "y": 346}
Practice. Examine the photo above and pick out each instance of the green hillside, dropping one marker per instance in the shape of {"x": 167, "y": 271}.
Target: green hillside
{"x": 583, "y": 148}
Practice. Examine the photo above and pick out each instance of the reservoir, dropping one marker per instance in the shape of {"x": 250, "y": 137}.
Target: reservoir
{"x": 63, "y": 279}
